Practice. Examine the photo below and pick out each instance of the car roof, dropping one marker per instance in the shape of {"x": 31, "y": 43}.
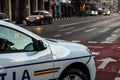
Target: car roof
{"x": 42, "y": 11}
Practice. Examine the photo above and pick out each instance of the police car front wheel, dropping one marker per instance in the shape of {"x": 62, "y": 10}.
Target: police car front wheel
{"x": 73, "y": 74}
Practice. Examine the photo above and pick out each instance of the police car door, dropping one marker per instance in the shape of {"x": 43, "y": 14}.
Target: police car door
{"x": 21, "y": 57}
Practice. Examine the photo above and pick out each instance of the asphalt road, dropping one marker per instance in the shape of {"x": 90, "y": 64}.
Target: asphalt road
{"x": 91, "y": 28}
{"x": 101, "y": 34}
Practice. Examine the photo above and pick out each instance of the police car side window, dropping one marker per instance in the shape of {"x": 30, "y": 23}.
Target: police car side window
{"x": 14, "y": 41}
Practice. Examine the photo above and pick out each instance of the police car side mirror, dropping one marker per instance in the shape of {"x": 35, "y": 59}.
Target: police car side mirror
{"x": 41, "y": 45}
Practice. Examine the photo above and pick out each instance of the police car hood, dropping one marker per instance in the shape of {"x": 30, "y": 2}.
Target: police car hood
{"x": 63, "y": 49}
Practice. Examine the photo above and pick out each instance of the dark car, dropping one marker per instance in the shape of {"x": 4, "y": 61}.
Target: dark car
{"x": 39, "y": 17}
{"x": 100, "y": 11}
{"x": 106, "y": 12}
{"x": 4, "y": 16}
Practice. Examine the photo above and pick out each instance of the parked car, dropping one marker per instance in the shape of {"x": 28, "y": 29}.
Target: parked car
{"x": 39, "y": 17}
{"x": 4, "y": 16}
{"x": 91, "y": 12}
{"x": 106, "y": 12}
{"x": 100, "y": 11}
{"x": 119, "y": 12}
{"x": 27, "y": 56}
{"x": 94, "y": 13}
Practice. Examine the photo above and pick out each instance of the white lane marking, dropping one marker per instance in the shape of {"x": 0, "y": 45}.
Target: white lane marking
{"x": 54, "y": 28}
{"x": 95, "y": 46}
{"x": 93, "y": 25}
{"x": 67, "y": 29}
{"x": 114, "y": 24}
{"x": 112, "y": 38}
{"x": 106, "y": 42}
{"x": 104, "y": 30}
{"x": 76, "y": 41}
{"x": 58, "y": 35}
{"x": 118, "y": 76}
{"x": 116, "y": 31}
{"x": 95, "y": 53}
{"x": 76, "y": 30}
{"x": 105, "y": 62}
{"x": 92, "y": 42}
{"x": 68, "y": 32}
{"x": 89, "y": 30}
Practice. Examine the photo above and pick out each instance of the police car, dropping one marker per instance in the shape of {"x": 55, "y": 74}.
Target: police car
{"x": 27, "y": 56}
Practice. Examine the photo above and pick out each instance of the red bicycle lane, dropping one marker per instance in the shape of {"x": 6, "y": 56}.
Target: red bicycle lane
{"x": 107, "y": 59}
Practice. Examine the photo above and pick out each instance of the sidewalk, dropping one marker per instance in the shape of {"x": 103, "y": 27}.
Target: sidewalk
{"x": 54, "y": 20}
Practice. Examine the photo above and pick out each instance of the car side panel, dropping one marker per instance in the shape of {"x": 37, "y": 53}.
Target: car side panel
{"x": 26, "y": 65}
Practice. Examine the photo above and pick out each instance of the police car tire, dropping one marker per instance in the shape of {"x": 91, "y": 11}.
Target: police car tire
{"x": 76, "y": 72}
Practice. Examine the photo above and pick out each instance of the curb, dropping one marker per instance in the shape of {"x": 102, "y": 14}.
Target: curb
{"x": 54, "y": 20}
{"x": 64, "y": 18}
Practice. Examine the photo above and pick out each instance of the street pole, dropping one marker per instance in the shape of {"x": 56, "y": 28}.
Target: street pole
{"x": 110, "y": 5}
{"x": 29, "y": 11}
{"x": 118, "y": 5}
{"x": 36, "y": 2}
{"x": 19, "y": 19}
{"x": 10, "y": 11}
{"x": 49, "y": 2}
{"x": 43, "y": 4}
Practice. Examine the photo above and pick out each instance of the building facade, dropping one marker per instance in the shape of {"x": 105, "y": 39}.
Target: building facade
{"x": 21, "y": 8}
{"x": 26, "y": 7}
{"x": 58, "y": 8}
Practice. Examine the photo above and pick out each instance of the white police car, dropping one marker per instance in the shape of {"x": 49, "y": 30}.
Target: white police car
{"x": 26, "y": 56}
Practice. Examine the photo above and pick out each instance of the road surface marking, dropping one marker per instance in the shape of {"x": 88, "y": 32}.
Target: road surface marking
{"x": 95, "y": 46}
{"x": 68, "y": 32}
{"x": 92, "y": 42}
{"x": 116, "y": 31}
{"x": 51, "y": 29}
{"x": 58, "y": 35}
{"x": 67, "y": 29}
{"x": 95, "y": 53}
{"x": 118, "y": 76}
{"x": 93, "y": 25}
{"x": 76, "y": 41}
{"x": 112, "y": 38}
{"x": 104, "y": 30}
{"x": 76, "y": 30}
{"x": 89, "y": 30}
{"x": 105, "y": 62}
